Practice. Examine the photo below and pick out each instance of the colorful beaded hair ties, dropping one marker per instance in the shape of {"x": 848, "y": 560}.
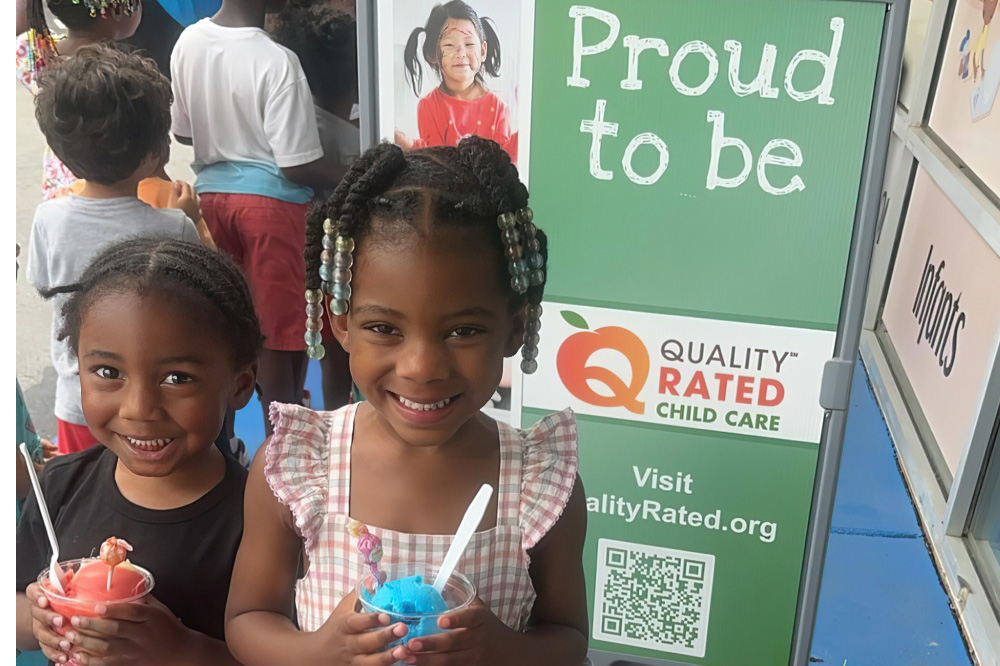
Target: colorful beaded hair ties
{"x": 41, "y": 45}
{"x": 527, "y": 269}
{"x": 521, "y": 247}
{"x": 335, "y": 273}
{"x": 116, "y": 7}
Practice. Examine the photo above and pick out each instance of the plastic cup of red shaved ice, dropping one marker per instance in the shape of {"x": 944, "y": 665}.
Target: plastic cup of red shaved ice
{"x": 129, "y": 583}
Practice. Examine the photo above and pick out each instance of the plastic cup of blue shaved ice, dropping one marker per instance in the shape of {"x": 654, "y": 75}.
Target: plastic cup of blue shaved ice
{"x": 408, "y": 596}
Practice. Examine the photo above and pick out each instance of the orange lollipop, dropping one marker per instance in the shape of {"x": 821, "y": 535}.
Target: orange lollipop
{"x": 114, "y": 551}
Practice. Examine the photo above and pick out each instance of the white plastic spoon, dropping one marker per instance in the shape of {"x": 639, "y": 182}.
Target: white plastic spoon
{"x": 470, "y": 521}
{"x": 54, "y": 569}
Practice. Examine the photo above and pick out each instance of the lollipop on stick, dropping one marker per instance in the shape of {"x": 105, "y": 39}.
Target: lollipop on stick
{"x": 370, "y": 547}
{"x": 113, "y": 552}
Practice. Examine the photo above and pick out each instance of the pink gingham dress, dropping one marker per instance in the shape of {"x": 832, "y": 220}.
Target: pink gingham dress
{"x": 308, "y": 465}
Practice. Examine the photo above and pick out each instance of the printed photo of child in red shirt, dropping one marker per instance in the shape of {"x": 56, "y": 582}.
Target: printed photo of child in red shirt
{"x": 462, "y": 49}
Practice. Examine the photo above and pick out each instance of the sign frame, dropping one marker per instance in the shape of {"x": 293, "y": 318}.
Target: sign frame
{"x": 839, "y": 370}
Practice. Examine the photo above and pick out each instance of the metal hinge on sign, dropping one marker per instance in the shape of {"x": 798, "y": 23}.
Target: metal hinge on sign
{"x": 835, "y": 390}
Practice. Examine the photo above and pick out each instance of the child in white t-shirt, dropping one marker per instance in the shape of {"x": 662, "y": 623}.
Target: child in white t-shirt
{"x": 244, "y": 103}
{"x": 106, "y": 115}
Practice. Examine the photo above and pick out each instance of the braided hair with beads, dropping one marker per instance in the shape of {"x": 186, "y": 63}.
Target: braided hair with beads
{"x": 205, "y": 279}
{"x": 74, "y": 14}
{"x": 472, "y": 185}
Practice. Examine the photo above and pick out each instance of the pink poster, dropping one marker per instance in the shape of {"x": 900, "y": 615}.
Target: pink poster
{"x": 966, "y": 111}
{"x": 943, "y": 315}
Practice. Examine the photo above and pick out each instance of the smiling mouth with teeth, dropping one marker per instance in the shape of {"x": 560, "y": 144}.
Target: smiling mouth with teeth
{"x": 422, "y": 407}
{"x": 147, "y": 444}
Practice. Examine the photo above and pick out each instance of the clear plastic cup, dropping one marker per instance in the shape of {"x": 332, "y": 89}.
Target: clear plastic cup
{"x": 68, "y": 606}
{"x": 458, "y": 593}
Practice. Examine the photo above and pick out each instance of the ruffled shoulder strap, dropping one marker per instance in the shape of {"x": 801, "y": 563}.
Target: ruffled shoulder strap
{"x": 548, "y": 472}
{"x": 297, "y": 466}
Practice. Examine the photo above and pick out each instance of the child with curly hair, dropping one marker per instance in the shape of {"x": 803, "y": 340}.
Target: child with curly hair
{"x": 87, "y": 22}
{"x": 106, "y": 114}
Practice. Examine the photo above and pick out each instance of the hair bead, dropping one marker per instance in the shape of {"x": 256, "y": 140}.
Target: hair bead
{"x": 345, "y": 244}
{"x": 506, "y": 221}
{"x": 341, "y": 291}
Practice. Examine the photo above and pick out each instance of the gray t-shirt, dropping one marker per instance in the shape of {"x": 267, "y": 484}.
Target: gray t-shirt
{"x": 65, "y": 236}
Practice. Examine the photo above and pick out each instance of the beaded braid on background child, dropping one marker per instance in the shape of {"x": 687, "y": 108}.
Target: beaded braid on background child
{"x": 87, "y": 22}
{"x": 432, "y": 271}
{"x": 459, "y": 47}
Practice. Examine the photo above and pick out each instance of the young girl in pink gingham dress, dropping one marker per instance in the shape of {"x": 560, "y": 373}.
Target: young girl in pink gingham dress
{"x": 434, "y": 271}
{"x": 309, "y": 461}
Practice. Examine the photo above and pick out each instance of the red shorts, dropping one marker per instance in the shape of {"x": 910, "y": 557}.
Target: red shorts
{"x": 266, "y": 237}
{"x": 73, "y": 437}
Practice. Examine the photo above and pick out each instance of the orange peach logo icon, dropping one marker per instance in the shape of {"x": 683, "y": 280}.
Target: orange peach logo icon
{"x": 576, "y": 374}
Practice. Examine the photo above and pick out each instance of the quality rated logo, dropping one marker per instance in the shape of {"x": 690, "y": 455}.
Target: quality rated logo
{"x": 576, "y": 373}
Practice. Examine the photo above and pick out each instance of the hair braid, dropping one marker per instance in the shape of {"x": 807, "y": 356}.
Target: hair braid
{"x": 498, "y": 176}
{"x": 172, "y": 268}
{"x": 346, "y": 208}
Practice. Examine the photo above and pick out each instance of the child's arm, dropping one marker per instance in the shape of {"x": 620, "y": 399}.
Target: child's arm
{"x": 558, "y": 628}
{"x": 319, "y": 174}
{"x": 182, "y": 197}
{"x": 261, "y": 596}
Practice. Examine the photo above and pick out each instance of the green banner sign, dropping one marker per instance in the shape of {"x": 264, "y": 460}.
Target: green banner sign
{"x": 697, "y": 167}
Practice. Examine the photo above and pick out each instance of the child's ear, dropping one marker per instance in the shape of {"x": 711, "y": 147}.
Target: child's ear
{"x": 339, "y": 325}
{"x": 482, "y": 55}
{"x": 243, "y": 387}
{"x": 516, "y": 338}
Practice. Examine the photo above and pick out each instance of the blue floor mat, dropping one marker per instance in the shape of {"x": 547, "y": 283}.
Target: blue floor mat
{"x": 881, "y": 601}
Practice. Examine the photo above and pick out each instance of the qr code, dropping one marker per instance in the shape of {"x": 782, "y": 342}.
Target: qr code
{"x": 654, "y": 598}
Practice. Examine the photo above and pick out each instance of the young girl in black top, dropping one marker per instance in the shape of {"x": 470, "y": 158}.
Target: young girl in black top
{"x": 167, "y": 340}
